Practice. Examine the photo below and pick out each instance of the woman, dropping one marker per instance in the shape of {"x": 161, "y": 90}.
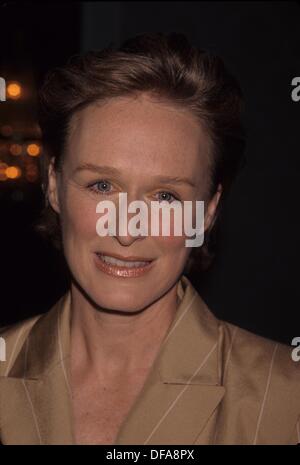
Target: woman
{"x": 131, "y": 354}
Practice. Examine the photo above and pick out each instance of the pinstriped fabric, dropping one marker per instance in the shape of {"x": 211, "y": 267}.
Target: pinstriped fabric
{"x": 61, "y": 353}
{"x": 265, "y": 395}
{"x": 179, "y": 320}
{"x": 225, "y": 369}
{"x": 28, "y": 395}
{"x": 181, "y": 393}
{"x": 229, "y": 352}
{"x": 21, "y": 331}
{"x": 32, "y": 410}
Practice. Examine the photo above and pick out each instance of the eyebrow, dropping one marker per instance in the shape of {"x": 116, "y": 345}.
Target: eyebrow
{"x": 109, "y": 170}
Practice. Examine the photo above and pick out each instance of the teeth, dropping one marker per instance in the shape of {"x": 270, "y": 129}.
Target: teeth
{"x": 115, "y": 261}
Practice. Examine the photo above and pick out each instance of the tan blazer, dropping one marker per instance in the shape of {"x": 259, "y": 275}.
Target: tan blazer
{"x": 211, "y": 383}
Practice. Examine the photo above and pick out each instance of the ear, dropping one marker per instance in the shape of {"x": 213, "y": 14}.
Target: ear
{"x": 211, "y": 209}
{"x": 52, "y": 192}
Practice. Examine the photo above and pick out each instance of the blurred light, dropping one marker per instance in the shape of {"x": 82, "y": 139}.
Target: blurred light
{"x": 3, "y": 149}
{"x": 33, "y": 150}
{"x": 14, "y": 90}
{"x": 3, "y": 168}
{"x": 31, "y": 169}
{"x": 13, "y": 172}
{"x": 15, "y": 149}
{"x": 6, "y": 130}
{"x": 32, "y": 172}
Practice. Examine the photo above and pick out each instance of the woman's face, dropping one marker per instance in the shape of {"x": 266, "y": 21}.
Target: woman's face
{"x": 129, "y": 145}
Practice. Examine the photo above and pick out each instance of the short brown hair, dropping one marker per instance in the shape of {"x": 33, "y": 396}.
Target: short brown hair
{"x": 164, "y": 65}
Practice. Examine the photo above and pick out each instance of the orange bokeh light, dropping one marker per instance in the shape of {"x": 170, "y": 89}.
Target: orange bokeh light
{"x": 15, "y": 149}
{"x": 14, "y": 90}
{"x": 33, "y": 150}
{"x": 13, "y": 172}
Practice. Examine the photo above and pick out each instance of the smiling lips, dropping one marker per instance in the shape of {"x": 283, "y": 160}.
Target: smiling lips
{"x": 129, "y": 267}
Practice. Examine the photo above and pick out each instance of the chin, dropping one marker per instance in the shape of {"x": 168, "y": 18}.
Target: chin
{"x": 121, "y": 302}
{"x": 106, "y": 294}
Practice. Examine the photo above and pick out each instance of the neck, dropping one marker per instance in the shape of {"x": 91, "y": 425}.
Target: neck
{"x": 116, "y": 344}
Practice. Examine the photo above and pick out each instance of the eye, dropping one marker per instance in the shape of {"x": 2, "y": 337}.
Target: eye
{"x": 167, "y": 196}
{"x": 100, "y": 187}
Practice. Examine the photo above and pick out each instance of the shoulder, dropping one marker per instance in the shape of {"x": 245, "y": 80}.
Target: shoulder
{"x": 257, "y": 348}
{"x": 261, "y": 375}
{"x": 12, "y": 339}
{"x": 257, "y": 351}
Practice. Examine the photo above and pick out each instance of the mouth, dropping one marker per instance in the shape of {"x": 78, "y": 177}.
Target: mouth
{"x": 128, "y": 267}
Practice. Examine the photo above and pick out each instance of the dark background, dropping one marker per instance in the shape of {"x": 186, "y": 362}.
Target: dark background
{"x": 254, "y": 282}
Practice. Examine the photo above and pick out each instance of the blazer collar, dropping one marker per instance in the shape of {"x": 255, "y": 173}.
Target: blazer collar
{"x": 181, "y": 392}
{"x": 48, "y": 343}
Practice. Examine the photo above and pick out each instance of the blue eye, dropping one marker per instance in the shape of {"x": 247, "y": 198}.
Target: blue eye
{"x": 167, "y": 196}
{"x": 98, "y": 186}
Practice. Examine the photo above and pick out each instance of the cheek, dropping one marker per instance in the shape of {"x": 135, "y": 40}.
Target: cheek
{"x": 175, "y": 230}
{"x": 172, "y": 247}
{"x": 79, "y": 216}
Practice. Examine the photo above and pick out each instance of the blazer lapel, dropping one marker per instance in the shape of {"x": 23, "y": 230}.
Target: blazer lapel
{"x": 183, "y": 388}
{"x": 35, "y": 395}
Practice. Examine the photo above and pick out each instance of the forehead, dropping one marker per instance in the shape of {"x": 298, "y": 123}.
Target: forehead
{"x": 139, "y": 133}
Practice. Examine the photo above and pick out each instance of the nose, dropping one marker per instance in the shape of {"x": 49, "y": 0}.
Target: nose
{"x": 126, "y": 233}
{"x": 127, "y": 240}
